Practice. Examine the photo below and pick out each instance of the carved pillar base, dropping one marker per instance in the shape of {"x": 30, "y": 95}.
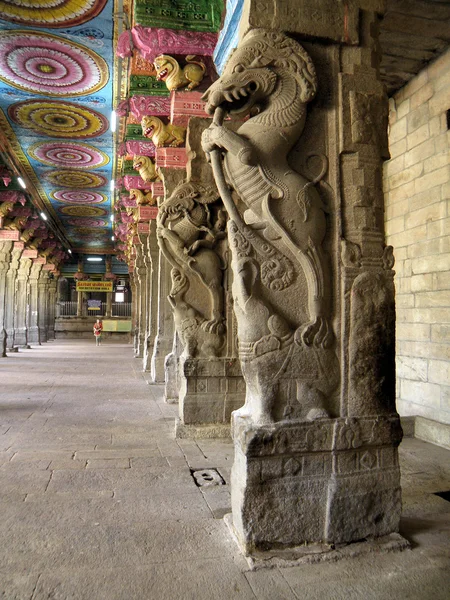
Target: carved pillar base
{"x": 171, "y": 372}
{"x": 332, "y": 481}
{"x": 161, "y": 348}
{"x": 210, "y": 390}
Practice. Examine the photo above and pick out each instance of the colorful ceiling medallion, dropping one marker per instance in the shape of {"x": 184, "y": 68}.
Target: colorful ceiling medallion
{"x": 50, "y": 13}
{"x": 76, "y": 179}
{"x": 87, "y": 222}
{"x": 68, "y": 155}
{"x": 83, "y": 211}
{"x": 55, "y": 118}
{"x": 88, "y": 232}
{"x": 42, "y": 63}
{"x": 78, "y": 197}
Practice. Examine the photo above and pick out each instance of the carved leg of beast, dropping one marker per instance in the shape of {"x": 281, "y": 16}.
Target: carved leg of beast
{"x": 207, "y": 266}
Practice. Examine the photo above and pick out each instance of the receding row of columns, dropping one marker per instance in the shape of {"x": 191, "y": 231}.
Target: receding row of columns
{"x": 27, "y": 300}
{"x": 151, "y": 313}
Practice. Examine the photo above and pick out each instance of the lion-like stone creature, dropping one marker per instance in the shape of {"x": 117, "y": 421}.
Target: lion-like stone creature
{"x": 142, "y": 198}
{"x": 175, "y": 77}
{"x": 187, "y": 238}
{"x": 146, "y": 168}
{"x": 277, "y": 226}
{"x": 161, "y": 134}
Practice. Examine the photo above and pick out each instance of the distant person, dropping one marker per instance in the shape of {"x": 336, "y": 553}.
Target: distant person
{"x": 98, "y": 328}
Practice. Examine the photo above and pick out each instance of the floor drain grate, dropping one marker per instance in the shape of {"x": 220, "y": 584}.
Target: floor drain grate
{"x": 444, "y": 495}
{"x": 207, "y": 477}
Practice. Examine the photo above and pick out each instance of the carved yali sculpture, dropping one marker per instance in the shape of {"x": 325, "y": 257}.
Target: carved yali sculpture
{"x": 146, "y": 168}
{"x": 188, "y": 229}
{"x": 281, "y": 282}
{"x": 175, "y": 77}
{"x": 161, "y": 134}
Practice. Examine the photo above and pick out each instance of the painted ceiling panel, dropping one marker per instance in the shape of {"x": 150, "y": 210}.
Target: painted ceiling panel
{"x": 56, "y": 96}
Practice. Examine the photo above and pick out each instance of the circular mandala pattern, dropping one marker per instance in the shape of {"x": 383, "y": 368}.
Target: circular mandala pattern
{"x": 83, "y": 211}
{"x": 78, "y": 197}
{"x": 76, "y": 179}
{"x": 87, "y": 222}
{"x": 55, "y": 118}
{"x": 89, "y": 232}
{"x": 68, "y": 154}
{"x": 50, "y": 13}
{"x": 42, "y": 63}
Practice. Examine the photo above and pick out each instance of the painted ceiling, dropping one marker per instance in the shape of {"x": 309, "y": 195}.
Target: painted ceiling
{"x": 56, "y": 96}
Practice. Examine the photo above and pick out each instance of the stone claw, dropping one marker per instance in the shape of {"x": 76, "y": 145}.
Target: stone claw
{"x": 317, "y": 332}
{"x": 215, "y": 326}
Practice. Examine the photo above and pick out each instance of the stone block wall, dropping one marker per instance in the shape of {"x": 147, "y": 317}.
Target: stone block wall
{"x": 417, "y": 203}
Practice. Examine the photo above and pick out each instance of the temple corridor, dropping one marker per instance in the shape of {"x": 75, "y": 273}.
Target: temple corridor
{"x": 98, "y": 501}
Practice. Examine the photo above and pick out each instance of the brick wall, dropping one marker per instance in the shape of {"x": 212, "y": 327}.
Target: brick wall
{"x": 417, "y": 200}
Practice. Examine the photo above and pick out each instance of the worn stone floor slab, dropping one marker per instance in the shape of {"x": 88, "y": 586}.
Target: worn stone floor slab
{"x": 97, "y": 500}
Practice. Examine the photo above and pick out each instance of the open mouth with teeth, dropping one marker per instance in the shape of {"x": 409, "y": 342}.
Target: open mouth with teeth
{"x": 148, "y": 131}
{"x": 162, "y": 75}
{"x": 236, "y": 100}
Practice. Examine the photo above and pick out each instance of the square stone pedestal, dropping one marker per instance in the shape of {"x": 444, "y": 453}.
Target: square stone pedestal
{"x": 210, "y": 390}
{"x": 330, "y": 481}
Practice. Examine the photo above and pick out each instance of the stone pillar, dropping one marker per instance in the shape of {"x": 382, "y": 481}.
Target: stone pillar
{"x": 134, "y": 308}
{"x": 316, "y": 441}
{"x": 109, "y": 305}
{"x": 10, "y": 298}
{"x": 22, "y": 301}
{"x": 192, "y": 237}
{"x": 5, "y": 258}
{"x": 164, "y": 318}
{"x": 141, "y": 306}
{"x": 43, "y": 305}
{"x": 51, "y": 309}
{"x": 79, "y": 304}
{"x": 84, "y": 305}
{"x": 172, "y": 372}
{"x": 33, "y": 292}
{"x": 152, "y": 261}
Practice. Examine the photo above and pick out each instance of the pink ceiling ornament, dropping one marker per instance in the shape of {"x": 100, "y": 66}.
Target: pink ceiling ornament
{"x": 68, "y": 155}
{"x": 13, "y": 196}
{"x": 42, "y": 63}
{"x": 134, "y": 181}
{"x": 140, "y": 148}
{"x": 153, "y": 41}
{"x": 76, "y": 179}
{"x": 149, "y": 105}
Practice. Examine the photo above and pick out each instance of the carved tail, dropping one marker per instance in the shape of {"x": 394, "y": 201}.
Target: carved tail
{"x": 189, "y": 60}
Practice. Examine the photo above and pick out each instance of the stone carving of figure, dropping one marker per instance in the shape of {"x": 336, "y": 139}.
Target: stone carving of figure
{"x": 277, "y": 226}
{"x": 161, "y": 134}
{"x": 146, "y": 167}
{"x": 189, "y": 229}
{"x": 175, "y": 77}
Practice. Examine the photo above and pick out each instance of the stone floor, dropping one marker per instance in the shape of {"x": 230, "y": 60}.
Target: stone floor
{"x": 97, "y": 501}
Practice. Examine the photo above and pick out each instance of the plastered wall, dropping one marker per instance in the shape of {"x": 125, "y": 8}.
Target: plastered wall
{"x": 417, "y": 201}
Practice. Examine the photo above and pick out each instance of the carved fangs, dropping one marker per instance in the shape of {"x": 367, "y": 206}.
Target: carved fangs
{"x": 162, "y": 75}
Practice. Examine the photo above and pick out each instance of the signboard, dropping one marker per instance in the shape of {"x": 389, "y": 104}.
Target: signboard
{"x": 116, "y": 325}
{"x": 94, "y": 304}
{"x": 13, "y": 235}
{"x": 94, "y": 286}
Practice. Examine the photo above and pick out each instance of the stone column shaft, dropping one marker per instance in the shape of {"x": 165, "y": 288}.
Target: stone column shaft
{"x": 43, "y": 305}
{"x": 5, "y": 258}
{"x": 21, "y": 316}
{"x": 52, "y": 290}
{"x": 10, "y": 298}
{"x": 33, "y": 321}
{"x": 164, "y": 334}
